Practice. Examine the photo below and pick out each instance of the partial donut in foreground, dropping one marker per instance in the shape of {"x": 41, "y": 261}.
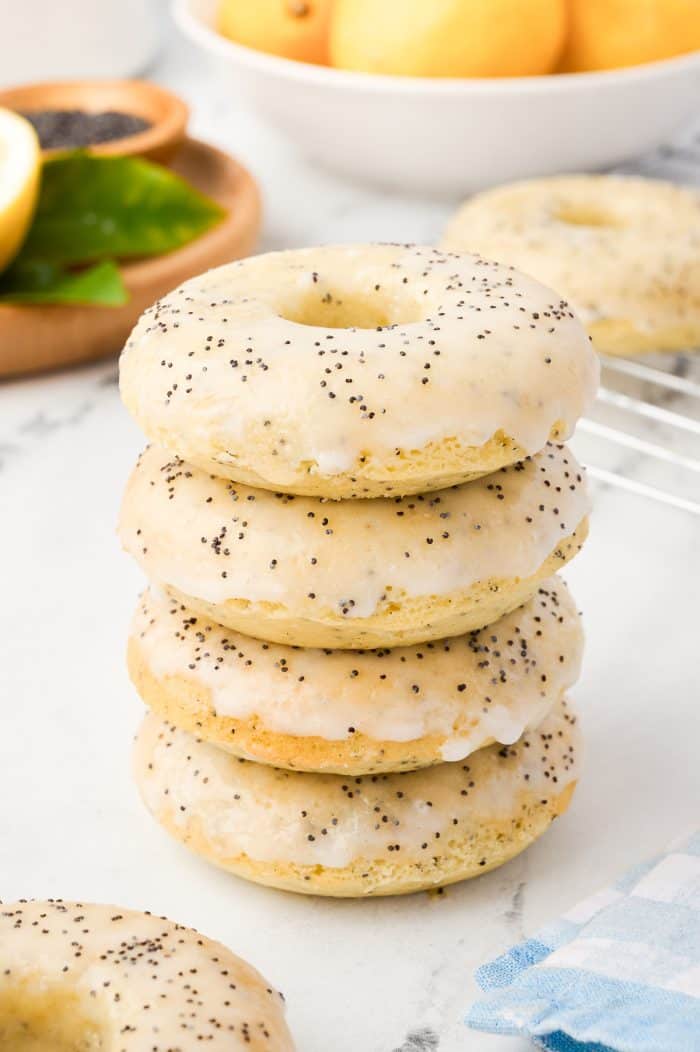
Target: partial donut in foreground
{"x": 358, "y": 370}
{"x": 76, "y": 977}
{"x": 381, "y": 834}
{"x": 624, "y": 252}
{"x": 354, "y": 574}
{"x": 356, "y": 712}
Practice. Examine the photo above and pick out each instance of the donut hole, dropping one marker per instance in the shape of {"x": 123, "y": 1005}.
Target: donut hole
{"x": 335, "y": 309}
{"x": 585, "y": 215}
{"x": 39, "y": 1018}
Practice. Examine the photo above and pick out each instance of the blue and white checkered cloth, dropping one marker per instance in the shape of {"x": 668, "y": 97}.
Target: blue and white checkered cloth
{"x": 618, "y": 973}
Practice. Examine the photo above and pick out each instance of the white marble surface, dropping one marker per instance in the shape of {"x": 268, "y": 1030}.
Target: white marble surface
{"x": 372, "y": 976}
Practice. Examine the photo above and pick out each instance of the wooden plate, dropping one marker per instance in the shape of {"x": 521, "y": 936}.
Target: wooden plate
{"x": 34, "y": 338}
{"x": 166, "y": 113}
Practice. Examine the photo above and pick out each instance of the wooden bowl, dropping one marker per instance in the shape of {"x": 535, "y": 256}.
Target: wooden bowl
{"x": 166, "y": 113}
{"x": 34, "y": 338}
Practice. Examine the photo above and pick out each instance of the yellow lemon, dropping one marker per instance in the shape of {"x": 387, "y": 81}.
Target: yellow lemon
{"x": 296, "y": 29}
{"x": 604, "y": 34}
{"x": 20, "y": 166}
{"x": 448, "y": 38}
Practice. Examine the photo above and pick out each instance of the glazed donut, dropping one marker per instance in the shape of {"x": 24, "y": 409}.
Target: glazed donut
{"x": 385, "y": 834}
{"x": 623, "y": 251}
{"x": 354, "y": 712}
{"x": 76, "y": 976}
{"x": 354, "y": 574}
{"x": 357, "y": 371}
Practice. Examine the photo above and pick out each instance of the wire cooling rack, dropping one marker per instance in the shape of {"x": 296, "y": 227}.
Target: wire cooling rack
{"x": 643, "y": 434}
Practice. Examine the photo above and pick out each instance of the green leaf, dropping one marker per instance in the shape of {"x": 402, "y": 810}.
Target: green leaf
{"x": 91, "y": 208}
{"x": 37, "y": 282}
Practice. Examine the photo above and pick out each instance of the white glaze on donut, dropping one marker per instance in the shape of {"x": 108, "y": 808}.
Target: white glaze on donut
{"x": 331, "y": 820}
{"x": 217, "y": 540}
{"x": 465, "y": 349}
{"x": 87, "y": 976}
{"x": 485, "y": 686}
{"x": 621, "y": 249}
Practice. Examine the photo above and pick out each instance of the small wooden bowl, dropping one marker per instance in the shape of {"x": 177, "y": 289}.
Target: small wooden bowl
{"x": 35, "y": 338}
{"x": 166, "y": 113}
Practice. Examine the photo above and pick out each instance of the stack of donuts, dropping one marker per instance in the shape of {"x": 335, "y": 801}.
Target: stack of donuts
{"x": 354, "y": 649}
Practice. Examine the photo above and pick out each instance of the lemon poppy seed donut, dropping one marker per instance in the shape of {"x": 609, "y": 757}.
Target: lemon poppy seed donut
{"x": 354, "y": 574}
{"x": 624, "y": 251}
{"x": 358, "y": 371}
{"x": 380, "y": 834}
{"x": 356, "y": 712}
{"x": 77, "y": 976}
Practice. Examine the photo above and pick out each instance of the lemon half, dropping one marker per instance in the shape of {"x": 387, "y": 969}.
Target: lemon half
{"x": 20, "y": 168}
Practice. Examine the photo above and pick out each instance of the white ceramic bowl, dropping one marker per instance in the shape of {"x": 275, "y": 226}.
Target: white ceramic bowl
{"x": 450, "y": 137}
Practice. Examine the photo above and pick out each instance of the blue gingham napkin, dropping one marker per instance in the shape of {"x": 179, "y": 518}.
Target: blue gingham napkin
{"x": 618, "y": 973}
